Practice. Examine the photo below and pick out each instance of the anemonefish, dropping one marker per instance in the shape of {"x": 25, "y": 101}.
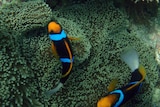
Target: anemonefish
{"x": 61, "y": 47}
{"x": 120, "y": 96}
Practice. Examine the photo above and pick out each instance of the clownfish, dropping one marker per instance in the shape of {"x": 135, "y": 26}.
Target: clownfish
{"x": 61, "y": 48}
{"x": 120, "y": 96}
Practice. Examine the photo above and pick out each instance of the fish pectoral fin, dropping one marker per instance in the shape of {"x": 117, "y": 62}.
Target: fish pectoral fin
{"x": 53, "y": 48}
{"x": 73, "y": 38}
{"x": 112, "y": 85}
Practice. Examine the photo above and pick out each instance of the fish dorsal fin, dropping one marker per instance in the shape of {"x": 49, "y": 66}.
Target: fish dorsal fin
{"x": 112, "y": 85}
{"x": 53, "y": 48}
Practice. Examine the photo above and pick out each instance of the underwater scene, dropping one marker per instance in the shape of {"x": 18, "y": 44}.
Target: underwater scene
{"x": 79, "y": 53}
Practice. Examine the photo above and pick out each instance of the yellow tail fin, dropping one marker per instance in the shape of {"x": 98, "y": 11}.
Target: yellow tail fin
{"x": 142, "y": 71}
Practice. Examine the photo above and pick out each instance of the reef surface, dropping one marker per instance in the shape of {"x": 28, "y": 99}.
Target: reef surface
{"x": 28, "y": 67}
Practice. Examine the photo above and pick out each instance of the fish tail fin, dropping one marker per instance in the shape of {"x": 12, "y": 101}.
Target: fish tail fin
{"x": 54, "y": 90}
{"x": 142, "y": 72}
{"x": 130, "y": 57}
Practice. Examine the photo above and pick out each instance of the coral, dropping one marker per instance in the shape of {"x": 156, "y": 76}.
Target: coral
{"x": 61, "y": 3}
{"x": 108, "y": 38}
{"x": 156, "y": 95}
{"x": 24, "y": 16}
{"x": 135, "y": 1}
{"x": 52, "y": 3}
{"x": 157, "y": 52}
{"x": 28, "y": 67}
{"x": 142, "y": 12}
{"x": 16, "y": 75}
{"x": 6, "y": 2}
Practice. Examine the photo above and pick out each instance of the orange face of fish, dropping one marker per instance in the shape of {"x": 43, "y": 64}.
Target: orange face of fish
{"x": 54, "y": 27}
{"x": 107, "y": 101}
